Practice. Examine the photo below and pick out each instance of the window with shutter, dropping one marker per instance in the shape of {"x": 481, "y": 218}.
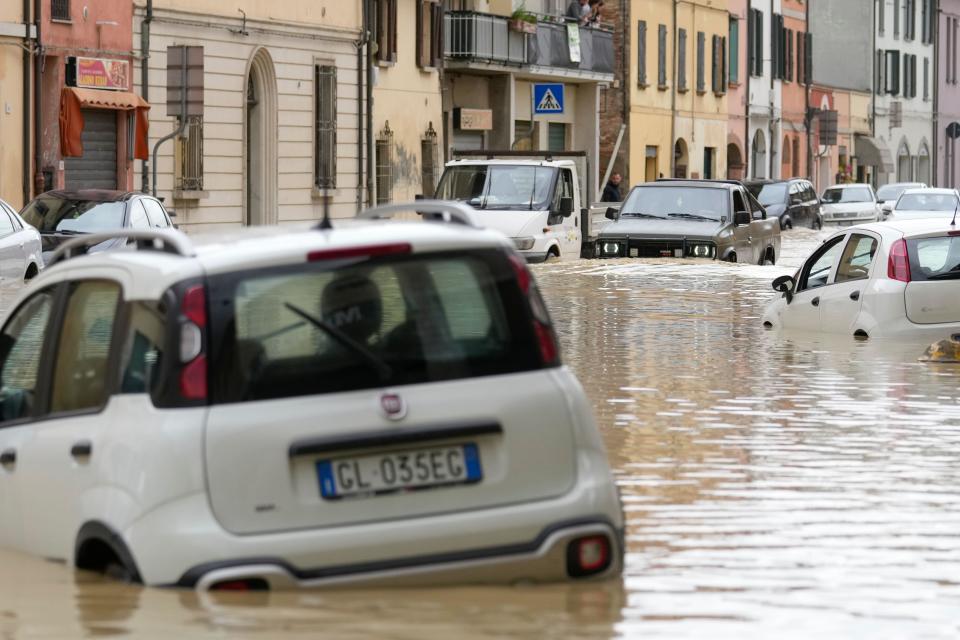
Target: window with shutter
{"x": 879, "y": 75}
{"x": 734, "y": 51}
{"x": 808, "y": 59}
{"x": 774, "y": 46}
{"x": 881, "y": 16}
{"x": 926, "y": 79}
{"x": 701, "y": 79}
{"x": 662, "y": 57}
{"x": 386, "y": 30}
{"x": 436, "y": 24}
{"x": 788, "y": 40}
{"x": 642, "y": 53}
{"x": 896, "y": 18}
{"x": 682, "y": 60}
{"x": 714, "y": 65}
{"x": 325, "y": 126}
{"x": 724, "y": 78}
{"x": 800, "y": 76}
{"x": 757, "y": 49}
{"x": 913, "y": 76}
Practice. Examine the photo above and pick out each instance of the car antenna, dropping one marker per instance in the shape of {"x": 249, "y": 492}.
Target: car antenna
{"x": 325, "y": 223}
{"x": 953, "y": 222}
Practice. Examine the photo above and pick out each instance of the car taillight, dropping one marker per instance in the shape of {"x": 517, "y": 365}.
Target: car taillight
{"x": 546, "y": 338}
{"x": 193, "y": 373}
{"x": 898, "y": 266}
{"x": 588, "y": 556}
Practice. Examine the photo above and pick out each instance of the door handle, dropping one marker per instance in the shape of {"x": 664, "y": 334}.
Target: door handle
{"x": 81, "y": 449}
{"x": 816, "y": 301}
{"x": 855, "y": 295}
{"x": 8, "y": 458}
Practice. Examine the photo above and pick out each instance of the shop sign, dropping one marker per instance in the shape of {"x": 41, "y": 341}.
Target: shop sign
{"x": 473, "y": 119}
{"x": 102, "y": 73}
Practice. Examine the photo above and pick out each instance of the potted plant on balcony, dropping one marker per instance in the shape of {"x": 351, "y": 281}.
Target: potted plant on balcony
{"x": 523, "y": 21}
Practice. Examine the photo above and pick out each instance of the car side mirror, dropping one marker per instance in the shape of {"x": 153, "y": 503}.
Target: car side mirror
{"x": 785, "y": 285}
{"x": 419, "y": 196}
{"x": 741, "y": 218}
{"x": 886, "y": 208}
{"x": 566, "y": 207}
{"x": 611, "y": 213}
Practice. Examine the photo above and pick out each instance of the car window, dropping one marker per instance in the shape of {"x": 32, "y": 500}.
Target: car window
{"x": 817, "y": 269}
{"x": 836, "y": 195}
{"x": 809, "y": 194}
{"x": 738, "y": 203}
{"x": 21, "y": 344}
{"x": 6, "y": 225}
{"x": 80, "y": 372}
{"x": 138, "y": 216}
{"x": 143, "y": 348}
{"x": 14, "y": 219}
{"x": 774, "y": 193}
{"x": 155, "y": 213}
{"x": 424, "y": 319}
{"x": 857, "y": 258}
{"x": 927, "y": 202}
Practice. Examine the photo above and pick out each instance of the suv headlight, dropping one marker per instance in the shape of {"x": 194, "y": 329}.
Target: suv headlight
{"x": 525, "y": 243}
{"x": 701, "y": 250}
{"x": 611, "y": 248}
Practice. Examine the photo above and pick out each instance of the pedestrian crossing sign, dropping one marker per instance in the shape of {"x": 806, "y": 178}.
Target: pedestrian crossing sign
{"x": 547, "y": 98}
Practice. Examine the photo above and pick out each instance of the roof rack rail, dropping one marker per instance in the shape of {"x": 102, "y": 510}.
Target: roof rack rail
{"x": 164, "y": 240}
{"x": 714, "y": 180}
{"x": 433, "y": 210}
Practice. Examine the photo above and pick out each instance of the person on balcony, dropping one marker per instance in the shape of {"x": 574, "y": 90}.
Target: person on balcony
{"x": 578, "y": 10}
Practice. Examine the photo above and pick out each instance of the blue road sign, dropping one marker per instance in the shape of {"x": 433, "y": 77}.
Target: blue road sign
{"x": 547, "y": 98}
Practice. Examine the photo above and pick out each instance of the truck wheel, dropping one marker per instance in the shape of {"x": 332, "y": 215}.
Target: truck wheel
{"x": 770, "y": 257}
{"x": 553, "y": 255}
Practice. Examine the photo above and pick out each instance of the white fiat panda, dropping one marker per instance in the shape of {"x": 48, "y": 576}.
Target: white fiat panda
{"x": 380, "y": 403}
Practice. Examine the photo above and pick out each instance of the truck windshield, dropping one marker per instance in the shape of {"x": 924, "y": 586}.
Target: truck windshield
{"x": 676, "y": 202}
{"x": 498, "y": 186}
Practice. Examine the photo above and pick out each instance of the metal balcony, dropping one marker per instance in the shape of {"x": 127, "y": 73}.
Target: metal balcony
{"x": 471, "y": 37}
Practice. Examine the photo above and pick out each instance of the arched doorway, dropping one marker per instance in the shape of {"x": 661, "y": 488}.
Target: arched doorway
{"x": 758, "y": 156}
{"x": 904, "y": 163}
{"x": 260, "y": 141}
{"x": 923, "y": 163}
{"x": 681, "y": 159}
{"x": 734, "y": 162}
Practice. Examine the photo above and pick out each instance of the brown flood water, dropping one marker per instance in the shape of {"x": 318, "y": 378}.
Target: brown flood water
{"x": 775, "y": 486}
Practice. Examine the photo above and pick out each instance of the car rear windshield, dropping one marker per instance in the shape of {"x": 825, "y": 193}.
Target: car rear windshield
{"x": 326, "y": 327}
{"x": 848, "y": 194}
{"x": 934, "y": 258}
{"x": 50, "y": 214}
{"x": 927, "y": 202}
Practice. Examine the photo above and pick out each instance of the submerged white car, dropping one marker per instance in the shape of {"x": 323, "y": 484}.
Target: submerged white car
{"x": 914, "y": 204}
{"x": 380, "y": 403}
{"x": 847, "y": 204}
{"x": 890, "y": 279}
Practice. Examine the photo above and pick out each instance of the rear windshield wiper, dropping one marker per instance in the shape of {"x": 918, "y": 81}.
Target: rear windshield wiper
{"x": 948, "y": 275}
{"x": 381, "y": 367}
{"x": 692, "y": 216}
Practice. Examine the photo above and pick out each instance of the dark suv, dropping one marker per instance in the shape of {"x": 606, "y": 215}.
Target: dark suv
{"x": 61, "y": 215}
{"x": 793, "y": 201}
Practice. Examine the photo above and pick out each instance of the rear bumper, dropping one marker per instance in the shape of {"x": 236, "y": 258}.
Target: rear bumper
{"x": 542, "y": 559}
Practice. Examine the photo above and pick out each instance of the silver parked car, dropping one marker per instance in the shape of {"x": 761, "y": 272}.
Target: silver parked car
{"x": 924, "y": 203}
{"x": 716, "y": 219}
{"x": 846, "y": 204}
{"x": 20, "y": 253}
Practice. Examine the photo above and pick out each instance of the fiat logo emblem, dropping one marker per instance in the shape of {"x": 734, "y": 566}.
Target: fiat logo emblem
{"x": 393, "y": 406}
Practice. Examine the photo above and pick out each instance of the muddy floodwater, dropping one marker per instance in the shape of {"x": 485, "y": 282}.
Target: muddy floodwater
{"x": 775, "y": 486}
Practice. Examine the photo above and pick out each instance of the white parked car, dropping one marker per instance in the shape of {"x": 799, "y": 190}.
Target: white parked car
{"x": 924, "y": 203}
{"x": 889, "y": 279}
{"x": 848, "y": 204}
{"x": 378, "y": 403}
{"x": 21, "y": 254}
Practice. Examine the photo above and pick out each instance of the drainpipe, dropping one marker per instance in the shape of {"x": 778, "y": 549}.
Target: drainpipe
{"x": 625, "y": 79}
{"x": 935, "y": 174}
{"x": 25, "y": 143}
{"x": 145, "y": 83}
{"x": 673, "y": 99}
{"x": 747, "y": 142}
{"x": 362, "y": 45}
{"x": 807, "y": 120}
{"x": 37, "y": 101}
{"x": 371, "y": 185}
{"x": 774, "y": 138}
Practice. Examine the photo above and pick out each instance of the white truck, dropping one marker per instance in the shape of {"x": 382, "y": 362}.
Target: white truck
{"x": 535, "y": 199}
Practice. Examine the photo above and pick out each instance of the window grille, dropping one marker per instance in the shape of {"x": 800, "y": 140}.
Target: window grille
{"x": 325, "y": 126}
{"x": 60, "y": 9}
{"x": 384, "y": 159}
{"x": 429, "y": 161}
{"x": 189, "y": 156}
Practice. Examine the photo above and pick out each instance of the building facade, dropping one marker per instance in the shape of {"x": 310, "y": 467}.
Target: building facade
{"x": 795, "y": 45}
{"x": 766, "y": 70}
{"x": 279, "y": 135}
{"x": 16, "y": 41}
{"x": 491, "y": 64}
{"x": 92, "y": 124}
{"x": 903, "y": 86}
{"x": 947, "y": 95}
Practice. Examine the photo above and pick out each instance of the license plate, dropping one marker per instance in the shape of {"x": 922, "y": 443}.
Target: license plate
{"x": 399, "y": 471}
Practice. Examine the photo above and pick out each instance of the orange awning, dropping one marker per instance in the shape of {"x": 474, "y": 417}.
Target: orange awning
{"x": 72, "y": 100}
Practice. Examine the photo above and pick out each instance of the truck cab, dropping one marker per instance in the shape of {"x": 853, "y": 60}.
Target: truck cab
{"x": 536, "y": 203}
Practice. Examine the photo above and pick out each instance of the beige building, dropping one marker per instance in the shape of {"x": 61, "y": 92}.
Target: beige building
{"x": 15, "y": 158}
{"x": 280, "y": 133}
{"x": 407, "y": 121}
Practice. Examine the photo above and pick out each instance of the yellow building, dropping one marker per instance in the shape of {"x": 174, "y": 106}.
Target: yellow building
{"x": 407, "y": 108}
{"x": 15, "y": 159}
{"x": 280, "y": 136}
{"x": 678, "y": 79}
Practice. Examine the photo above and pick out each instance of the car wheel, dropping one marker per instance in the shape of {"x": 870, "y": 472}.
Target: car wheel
{"x": 553, "y": 255}
{"x": 732, "y": 257}
{"x": 770, "y": 257}
{"x": 787, "y": 224}
{"x": 31, "y": 272}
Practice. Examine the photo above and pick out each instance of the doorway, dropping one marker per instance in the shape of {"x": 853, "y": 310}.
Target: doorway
{"x": 97, "y": 167}
{"x": 650, "y": 166}
{"x": 260, "y": 142}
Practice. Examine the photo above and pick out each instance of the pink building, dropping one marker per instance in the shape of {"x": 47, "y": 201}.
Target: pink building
{"x": 948, "y": 95}
{"x": 91, "y": 126}
{"x": 796, "y": 82}
{"x": 737, "y": 124}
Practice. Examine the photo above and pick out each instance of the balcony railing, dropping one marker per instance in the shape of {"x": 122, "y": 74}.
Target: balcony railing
{"x": 481, "y": 37}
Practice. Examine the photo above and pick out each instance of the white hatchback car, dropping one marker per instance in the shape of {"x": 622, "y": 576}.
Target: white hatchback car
{"x": 890, "y": 279}
{"x": 848, "y": 204}
{"x": 914, "y": 204}
{"x": 378, "y": 403}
